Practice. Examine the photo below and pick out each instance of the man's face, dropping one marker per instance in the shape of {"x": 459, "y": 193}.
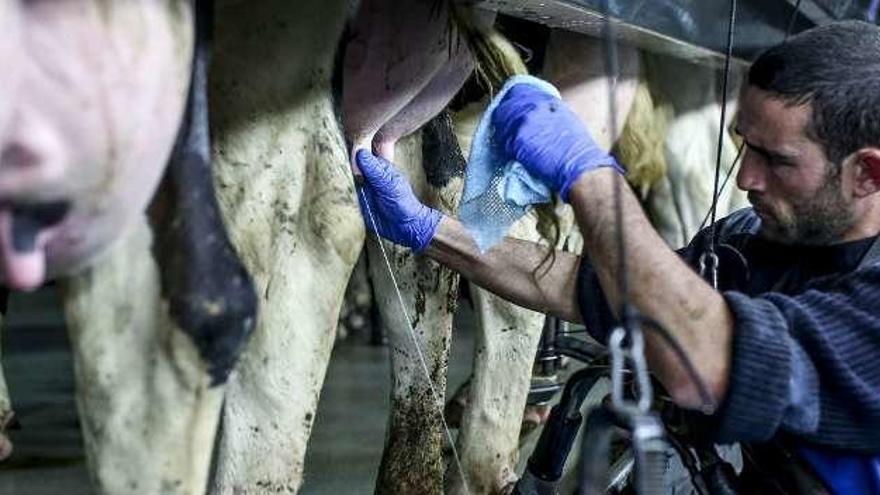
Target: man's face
{"x": 793, "y": 187}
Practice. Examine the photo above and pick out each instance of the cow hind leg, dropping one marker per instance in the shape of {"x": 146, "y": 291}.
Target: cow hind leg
{"x": 6, "y": 413}
{"x": 505, "y": 343}
{"x": 287, "y": 195}
{"x": 412, "y": 461}
{"x": 148, "y": 413}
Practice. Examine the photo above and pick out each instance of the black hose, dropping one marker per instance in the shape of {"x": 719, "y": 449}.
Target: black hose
{"x": 551, "y": 452}
{"x": 595, "y": 452}
{"x": 739, "y": 153}
{"x": 689, "y": 462}
{"x": 722, "y": 126}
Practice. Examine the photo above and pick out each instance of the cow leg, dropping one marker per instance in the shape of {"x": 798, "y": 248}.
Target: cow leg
{"x": 142, "y": 387}
{"x": 285, "y": 187}
{"x": 506, "y": 342}
{"x": 412, "y": 461}
{"x": 490, "y": 425}
{"x": 394, "y": 82}
{"x": 10, "y": 50}
{"x": 148, "y": 413}
{"x": 6, "y": 413}
{"x": 506, "y": 339}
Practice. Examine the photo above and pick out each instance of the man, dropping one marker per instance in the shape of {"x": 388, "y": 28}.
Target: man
{"x": 789, "y": 352}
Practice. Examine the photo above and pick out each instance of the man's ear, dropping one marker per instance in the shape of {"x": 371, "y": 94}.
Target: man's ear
{"x": 867, "y": 172}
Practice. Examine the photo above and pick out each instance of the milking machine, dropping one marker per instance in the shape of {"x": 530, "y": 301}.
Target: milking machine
{"x": 625, "y": 413}
{"x": 560, "y": 340}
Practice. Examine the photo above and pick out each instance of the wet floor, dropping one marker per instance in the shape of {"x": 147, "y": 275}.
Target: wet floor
{"x": 344, "y": 451}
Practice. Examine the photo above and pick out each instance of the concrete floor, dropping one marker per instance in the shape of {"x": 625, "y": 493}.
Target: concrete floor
{"x": 48, "y": 455}
{"x": 345, "y": 447}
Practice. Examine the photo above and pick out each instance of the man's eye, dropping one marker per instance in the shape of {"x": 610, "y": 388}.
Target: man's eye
{"x": 780, "y": 162}
{"x": 781, "y": 165}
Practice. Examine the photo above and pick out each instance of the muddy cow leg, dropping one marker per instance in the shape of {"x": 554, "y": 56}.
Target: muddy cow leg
{"x": 148, "y": 413}
{"x": 414, "y": 430}
{"x": 506, "y": 341}
{"x": 283, "y": 180}
{"x": 142, "y": 388}
{"x": 412, "y": 461}
{"x": 397, "y": 77}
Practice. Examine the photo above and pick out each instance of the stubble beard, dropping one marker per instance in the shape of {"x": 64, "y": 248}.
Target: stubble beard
{"x": 821, "y": 220}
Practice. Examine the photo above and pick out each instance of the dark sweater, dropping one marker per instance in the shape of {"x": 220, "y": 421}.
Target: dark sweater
{"x": 806, "y": 344}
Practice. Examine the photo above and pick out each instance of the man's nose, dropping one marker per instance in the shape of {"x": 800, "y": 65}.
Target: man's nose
{"x": 751, "y": 173}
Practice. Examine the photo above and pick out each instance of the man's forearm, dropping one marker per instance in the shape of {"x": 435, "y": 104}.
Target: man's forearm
{"x": 661, "y": 286}
{"x": 511, "y": 270}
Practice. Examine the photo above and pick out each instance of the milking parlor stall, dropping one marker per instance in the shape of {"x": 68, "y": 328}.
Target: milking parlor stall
{"x": 197, "y": 300}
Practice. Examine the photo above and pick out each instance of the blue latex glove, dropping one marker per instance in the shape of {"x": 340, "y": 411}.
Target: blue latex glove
{"x": 400, "y": 217}
{"x": 542, "y": 133}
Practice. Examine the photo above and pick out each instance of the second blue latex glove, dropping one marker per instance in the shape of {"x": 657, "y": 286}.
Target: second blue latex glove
{"x": 387, "y": 197}
{"x": 539, "y": 131}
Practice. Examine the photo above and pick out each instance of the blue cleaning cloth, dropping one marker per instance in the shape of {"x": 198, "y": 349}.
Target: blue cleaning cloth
{"x": 498, "y": 191}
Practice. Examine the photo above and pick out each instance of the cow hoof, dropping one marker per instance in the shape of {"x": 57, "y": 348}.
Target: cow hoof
{"x": 6, "y": 422}
{"x": 506, "y": 482}
{"x": 508, "y": 489}
{"x": 5, "y": 447}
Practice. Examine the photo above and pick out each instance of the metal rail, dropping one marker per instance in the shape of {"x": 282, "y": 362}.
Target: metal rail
{"x": 688, "y": 29}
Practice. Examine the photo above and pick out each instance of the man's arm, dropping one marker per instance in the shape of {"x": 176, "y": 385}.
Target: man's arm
{"x": 541, "y": 133}
{"x": 512, "y": 270}
{"x": 661, "y": 286}
{"x": 549, "y": 140}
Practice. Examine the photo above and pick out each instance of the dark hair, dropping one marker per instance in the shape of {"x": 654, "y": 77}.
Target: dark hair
{"x": 836, "y": 69}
